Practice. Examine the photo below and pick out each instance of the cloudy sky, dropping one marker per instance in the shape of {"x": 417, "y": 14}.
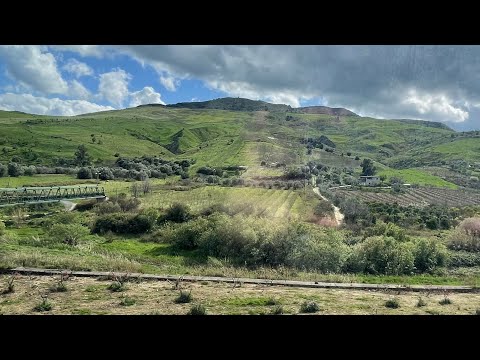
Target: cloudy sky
{"x": 438, "y": 83}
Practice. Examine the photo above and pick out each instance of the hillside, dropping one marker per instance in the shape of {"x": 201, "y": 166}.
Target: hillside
{"x": 226, "y": 137}
{"x": 326, "y": 110}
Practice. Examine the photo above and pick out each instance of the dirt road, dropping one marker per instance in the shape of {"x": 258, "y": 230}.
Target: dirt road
{"x": 338, "y": 215}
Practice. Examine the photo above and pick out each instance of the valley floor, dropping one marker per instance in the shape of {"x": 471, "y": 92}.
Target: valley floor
{"x": 92, "y": 296}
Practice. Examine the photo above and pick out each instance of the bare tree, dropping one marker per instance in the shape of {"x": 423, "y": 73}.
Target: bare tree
{"x": 135, "y": 190}
{"x": 146, "y": 186}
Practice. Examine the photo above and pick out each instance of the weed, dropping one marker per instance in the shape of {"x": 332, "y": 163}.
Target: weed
{"x": 445, "y": 301}
{"x": 45, "y": 305}
{"x": 197, "y": 309}
{"x": 309, "y": 307}
{"x": 277, "y": 310}
{"x": 421, "y": 302}
{"x": 127, "y": 301}
{"x": 392, "y": 303}
{"x": 272, "y": 301}
{"x": 184, "y": 297}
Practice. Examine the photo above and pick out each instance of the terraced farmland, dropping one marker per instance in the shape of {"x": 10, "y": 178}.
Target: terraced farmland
{"x": 418, "y": 197}
{"x": 294, "y": 204}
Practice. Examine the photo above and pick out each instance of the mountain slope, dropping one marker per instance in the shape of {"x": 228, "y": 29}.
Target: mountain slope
{"x": 232, "y": 137}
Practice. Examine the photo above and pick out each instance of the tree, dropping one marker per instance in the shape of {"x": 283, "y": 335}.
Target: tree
{"x": 82, "y": 158}
{"x": 15, "y": 169}
{"x": 146, "y": 186}
{"x": 3, "y": 170}
{"x": 84, "y": 173}
{"x": 367, "y": 168}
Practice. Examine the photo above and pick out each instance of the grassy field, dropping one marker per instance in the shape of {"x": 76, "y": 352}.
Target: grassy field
{"x": 416, "y": 176}
{"x": 86, "y": 296}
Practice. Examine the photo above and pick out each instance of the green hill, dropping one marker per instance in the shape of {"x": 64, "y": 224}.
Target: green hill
{"x": 232, "y": 131}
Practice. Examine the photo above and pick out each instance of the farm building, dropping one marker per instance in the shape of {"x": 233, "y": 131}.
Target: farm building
{"x": 369, "y": 180}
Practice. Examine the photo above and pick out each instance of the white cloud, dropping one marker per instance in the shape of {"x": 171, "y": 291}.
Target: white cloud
{"x": 33, "y": 68}
{"x": 44, "y": 106}
{"x": 436, "y": 105}
{"x": 83, "y": 50}
{"x": 145, "y": 96}
{"x": 114, "y": 86}
{"x": 77, "y": 90}
{"x": 169, "y": 82}
{"x": 77, "y": 68}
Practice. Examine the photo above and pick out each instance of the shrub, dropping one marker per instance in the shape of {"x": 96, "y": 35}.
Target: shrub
{"x": 387, "y": 229}
{"x": 197, "y": 309}
{"x": 15, "y": 169}
{"x": 2, "y": 228}
{"x": 105, "y": 173}
{"x": 272, "y": 301}
{"x": 309, "y": 307}
{"x": 127, "y": 204}
{"x": 59, "y": 287}
{"x": 122, "y": 224}
{"x": 10, "y": 286}
{"x": 421, "y": 302}
{"x": 106, "y": 207}
{"x": 477, "y": 311}
{"x": 127, "y": 301}
{"x": 69, "y": 234}
{"x": 45, "y": 305}
{"x": 85, "y": 205}
{"x": 84, "y": 173}
{"x": 177, "y": 213}
{"x": 3, "y": 170}
{"x": 277, "y": 310}
{"x": 382, "y": 255}
{"x": 187, "y": 236}
{"x": 466, "y": 236}
{"x": 184, "y": 297}
{"x": 323, "y": 208}
{"x": 116, "y": 286}
{"x": 429, "y": 254}
{"x": 462, "y": 258}
{"x": 445, "y": 301}
{"x": 392, "y": 303}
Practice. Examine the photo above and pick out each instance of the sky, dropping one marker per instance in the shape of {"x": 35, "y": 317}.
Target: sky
{"x": 435, "y": 83}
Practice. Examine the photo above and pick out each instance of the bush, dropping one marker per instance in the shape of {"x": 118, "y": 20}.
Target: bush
{"x": 387, "y": 229}
{"x": 69, "y": 234}
{"x": 105, "y": 174}
{"x": 186, "y": 236}
{"x": 197, "y": 309}
{"x": 116, "y": 286}
{"x": 309, "y": 307}
{"x": 2, "y": 228}
{"x": 15, "y": 169}
{"x": 84, "y": 173}
{"x": 429, "y": 254}
{"x": 59, "y": 287}
{"x": 126, "y": 203}
{"x": 3, "y": 170}
{"x": 466, "y": 236}
{"x": 85, "y": 205}
{"x": 445, "y": 301}
{"x": 323, "y": 208}
{"x": 45, "y": 305}
{"x": 177, "y": 213}
{"x": 122, "y": 224}
{"x": 392, "y": 303}
{"x": 184, "y": 297}
{"x": 462, "y": 258}
{"x": 272, "y": 301}
{"x": 127, "y": 301}
{"x": 382, "y": 255}
{"x": 106, "y": 207}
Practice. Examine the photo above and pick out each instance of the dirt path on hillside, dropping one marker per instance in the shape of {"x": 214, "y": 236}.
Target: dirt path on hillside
{"x": 338, "y": 215}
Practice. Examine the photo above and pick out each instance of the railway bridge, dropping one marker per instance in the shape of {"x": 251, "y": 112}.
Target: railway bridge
{"x": 48, "y": 194}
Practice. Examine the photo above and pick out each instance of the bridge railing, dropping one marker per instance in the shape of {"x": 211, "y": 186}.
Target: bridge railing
{"x": 32, "y": 195}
